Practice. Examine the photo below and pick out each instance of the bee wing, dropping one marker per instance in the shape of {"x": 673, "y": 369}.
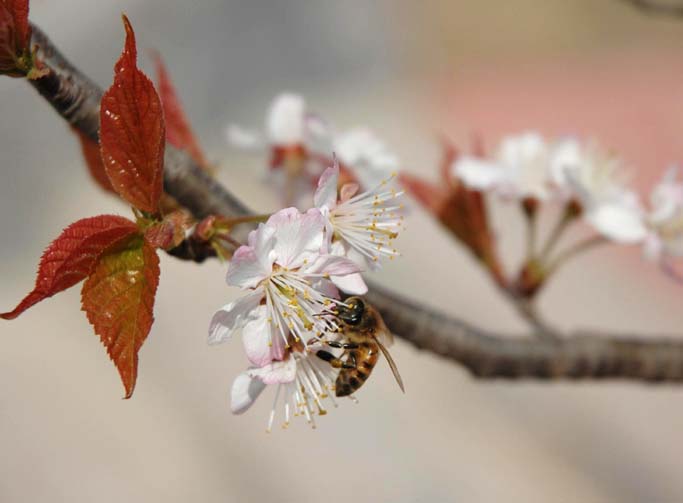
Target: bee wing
{"x": 392, "y": 365}
{"x": 383, "y": 334}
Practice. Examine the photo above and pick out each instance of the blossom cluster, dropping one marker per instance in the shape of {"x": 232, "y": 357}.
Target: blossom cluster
{"x": 294, "y": 269}
{"x": 566, "y": 170}
{"x": 299, "y": 144}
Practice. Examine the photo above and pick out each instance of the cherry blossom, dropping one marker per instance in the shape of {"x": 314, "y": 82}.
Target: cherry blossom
{"x": 303, "y": 383}
{"x": 597, "y": 181}
{"x": 290, "y": 279}
{"x": 301, "y": 145}
{"x": 289, "y": 126}
{"x": 366, "y": 156}
{"x": 564, "y": 170}
{"x": 364, "y": 225}
{"x": 519, "y": 168}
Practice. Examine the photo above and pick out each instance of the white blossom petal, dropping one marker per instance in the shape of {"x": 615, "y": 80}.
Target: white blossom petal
{"x": 247, "y": 268}
{"x": 277, "y": 372}
{"x": 567, "y": 154}
{"x": 618, "y": 222}
{"x": 298, "y": 237}
{"x": 326, "y": 193}
{"x": 332, "y": 265}
{"x": 286, "y": 120}
{"x": 366, "y": 156}
{"x": 521, "y": 149}
{"x": 478, "y": 173}
{"x": 245, "y": 390}
{"x": 230, "y": 319}
{"x": 352, "y": 284}
{"x": 261, "y": 344}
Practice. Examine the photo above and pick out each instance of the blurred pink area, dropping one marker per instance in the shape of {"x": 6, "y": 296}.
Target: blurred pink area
{"x": 631, "y": 103}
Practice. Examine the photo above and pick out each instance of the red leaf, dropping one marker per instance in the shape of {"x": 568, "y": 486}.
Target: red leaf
{"x": 93, "y": 159}
{"x": 71, "y": 256}
{"x": 118, "y": 298}
{"x": 178, "y": 130}
{"x": 132, "y": 132}
{"x": 15, "y": 34}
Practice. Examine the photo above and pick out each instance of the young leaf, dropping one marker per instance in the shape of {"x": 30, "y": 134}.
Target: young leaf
{"x": 15, "y": 35}
{"x": 93, "y": 159}
{"x": 70, "y": 258}
{"x": 132, "y": 132}
{"x": 178, "y": 130}
{"x": 118, "y": 298}
{"x": 170, "y": 232}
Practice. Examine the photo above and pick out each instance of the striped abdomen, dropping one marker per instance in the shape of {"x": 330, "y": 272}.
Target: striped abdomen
{"x": 349, "y": 380}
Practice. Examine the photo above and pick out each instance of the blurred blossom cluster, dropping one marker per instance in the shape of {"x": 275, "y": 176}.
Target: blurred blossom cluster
{"x": 529, "y": 167}
{"x": 586, "y": 181}
{"x": 300, "y": 145}
{"x": 294, "y": 270}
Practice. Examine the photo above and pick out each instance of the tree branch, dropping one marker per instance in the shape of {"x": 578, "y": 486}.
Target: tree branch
{"x": 658, "y": 8}
{"x": 581, "y": 356}
{"x": 585, "y": 355}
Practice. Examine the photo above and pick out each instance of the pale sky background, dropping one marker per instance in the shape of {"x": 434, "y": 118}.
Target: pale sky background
{"x": 410, "y": 70}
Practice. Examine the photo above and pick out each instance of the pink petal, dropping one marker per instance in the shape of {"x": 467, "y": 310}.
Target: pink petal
{"x": 251, "y": 264}
{"x": 277, "y": 372}
{"x": 262, "y": 342}
{"x": 230, "y": 319}
{"x": 327, "y": 288}
{"x": 246, "y": 270}
{"x": 326, "y": 193}
{"x": 333, "y": 265}
{"x": 298, "y": 237}
{"x": 245, "y": 390}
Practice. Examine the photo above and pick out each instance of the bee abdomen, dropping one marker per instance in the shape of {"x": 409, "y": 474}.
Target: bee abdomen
{"x": 350, "y": 380}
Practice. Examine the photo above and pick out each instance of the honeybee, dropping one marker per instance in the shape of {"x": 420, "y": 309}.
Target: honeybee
{"x": 364, "y": 336}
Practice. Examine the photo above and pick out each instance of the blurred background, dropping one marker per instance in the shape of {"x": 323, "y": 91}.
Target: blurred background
{"x": 412, "y": 71}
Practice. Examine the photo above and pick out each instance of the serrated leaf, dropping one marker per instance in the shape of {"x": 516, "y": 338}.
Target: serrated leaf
{"x": 118, "y": 299}
{"x": 132, "y": 132}
{"x": 178, "y": 130}
{"x": 15, "y": 35}
{"x": 93, "y": 159}
{"x": 70, "y": 258}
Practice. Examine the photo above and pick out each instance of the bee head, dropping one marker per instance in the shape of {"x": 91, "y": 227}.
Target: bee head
{"x": 351, "y": 311}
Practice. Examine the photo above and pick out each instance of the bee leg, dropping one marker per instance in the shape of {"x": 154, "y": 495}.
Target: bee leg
{"x": 337, "y": 363}
{"x": 342, "y": 345}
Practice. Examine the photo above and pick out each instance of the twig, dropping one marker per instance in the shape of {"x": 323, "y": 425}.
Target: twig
{"x": 657, "y": 8}
{"x": 587, "y": 355}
